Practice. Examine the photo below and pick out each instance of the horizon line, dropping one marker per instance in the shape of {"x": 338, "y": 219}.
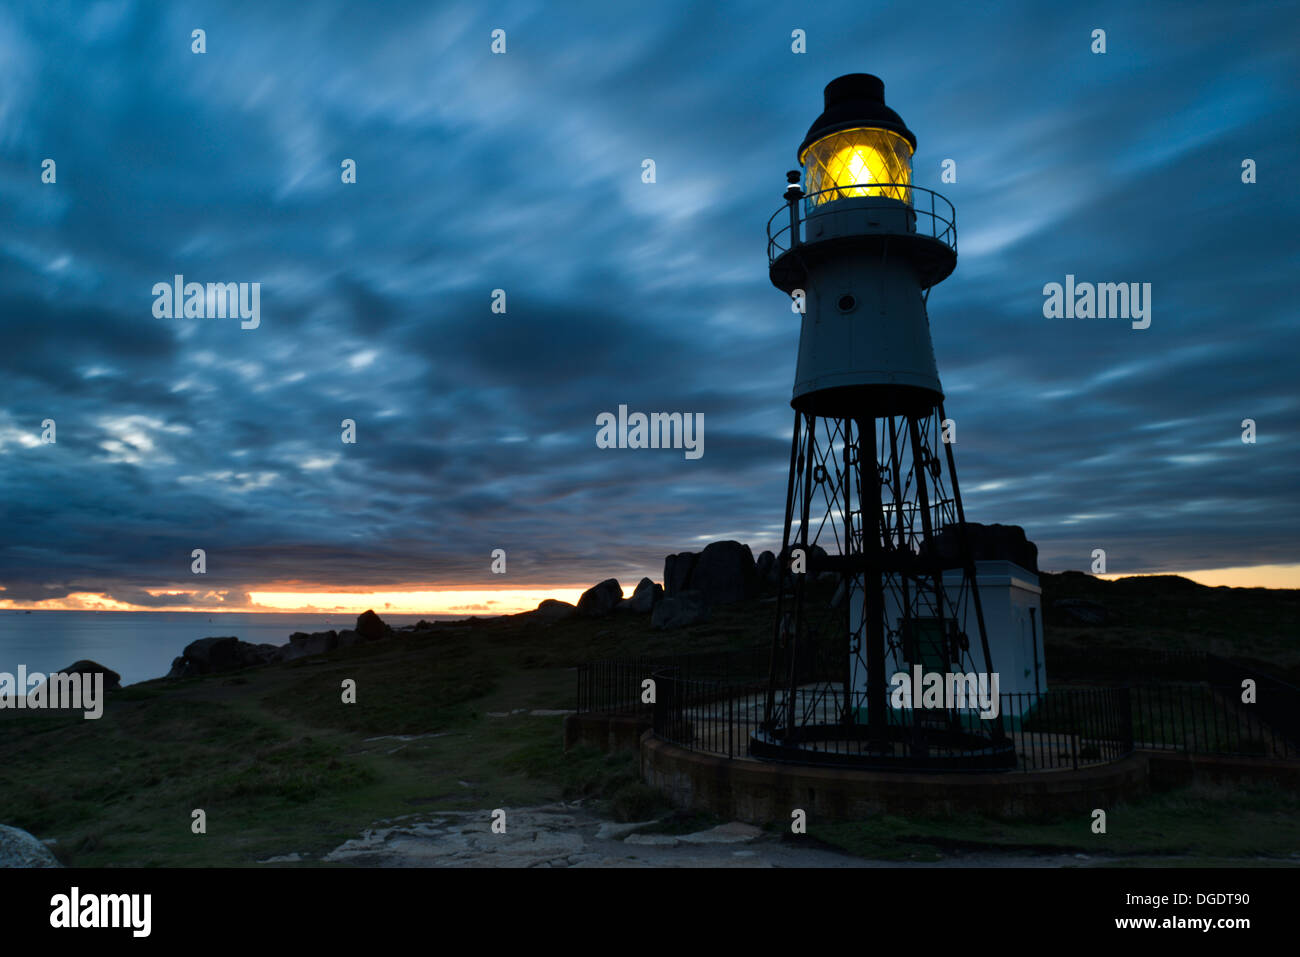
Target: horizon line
{"x": 494, "y": 602}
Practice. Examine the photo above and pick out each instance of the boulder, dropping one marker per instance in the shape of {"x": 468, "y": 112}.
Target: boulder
{"x": 725, "y": 573}
{"x": 262, "y": 654}
{"x": 768, "y": 574}
{"x": 814, "y": 558}
{"x": 644, "y": 599}
{"x": 987, "y": 543}
{"x": 211, "y": 655}
{"x": 349, "y": 638}
{"x": 112, "y": 680}
{"x": 552, "y": 609}
{"x": 214, "y": 655}
{"x": 599, "y": 600}
{"x": 20, "y": 849}
{"x": 316, "y": 637}
{"x": 371, "y": 627}
{"x": 302, "y": 645}
{"x": 680, "y": 611}
{"x": 677, "y": 572}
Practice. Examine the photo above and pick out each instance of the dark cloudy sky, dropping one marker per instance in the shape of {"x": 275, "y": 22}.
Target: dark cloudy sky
{"x": 522, "y": 172}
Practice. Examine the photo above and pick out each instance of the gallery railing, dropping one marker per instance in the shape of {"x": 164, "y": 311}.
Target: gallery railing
{"x": 929, "y": 214}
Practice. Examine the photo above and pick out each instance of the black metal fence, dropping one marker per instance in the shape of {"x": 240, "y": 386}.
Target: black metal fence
{"x": 1135, "y": 665}
{"x": 1213, "y": 719}
{"x": 1277, "y": 701}
{"x": 714, "y": 702}
{"x": 1069, "y": 728}
{"x": 614, "y": 685}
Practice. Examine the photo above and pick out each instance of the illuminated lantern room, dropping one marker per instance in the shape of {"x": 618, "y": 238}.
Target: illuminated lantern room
{"x": 858, "y": 146}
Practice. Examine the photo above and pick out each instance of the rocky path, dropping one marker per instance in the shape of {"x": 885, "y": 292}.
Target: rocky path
{"x": 567, "y": 835}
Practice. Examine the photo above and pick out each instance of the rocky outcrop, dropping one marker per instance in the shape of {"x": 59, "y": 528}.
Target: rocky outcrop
{"x": 302, "y": 636}
{"x": 677, "y": 572}
{"x": 214, "y": 655}
{"x": 303, "y": 645}
{"x": 725, "y": 573}
{"x": 371, "y": 627}
{"x": 552, "y": 609}
{"x": 680, "y": 610}
{"x": 987, "y": 543}
{"x": 112, "y": 680}
{"x": 814, "y": 560}
{"x": 643, "y": 600}
{"x": 20, "y": 849}
{"x": 768, "y": 573}
{"x": 599, "y": 600}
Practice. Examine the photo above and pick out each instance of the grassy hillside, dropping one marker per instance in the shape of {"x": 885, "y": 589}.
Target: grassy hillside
{"x": 280, "y": 764}
{"x": 1169, "y": 613}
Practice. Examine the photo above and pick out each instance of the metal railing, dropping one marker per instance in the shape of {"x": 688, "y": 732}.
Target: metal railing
{"x": 1136, "y": 665}
{"x": 1277, "y": 701}
{"x": 714, "y": 702}
{"x": 613, "y": 685}
{"x": 1069, "y": 728}
{"x": 1210, "y": 719}
{"x": 938, "y": 222}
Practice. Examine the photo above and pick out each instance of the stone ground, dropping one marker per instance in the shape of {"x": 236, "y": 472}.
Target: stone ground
{"x": 567, "y": 835}
{"x": 20, "y": 849}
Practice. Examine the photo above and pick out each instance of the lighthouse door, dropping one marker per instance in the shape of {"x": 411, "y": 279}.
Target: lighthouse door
{"x": 925, "y": 645}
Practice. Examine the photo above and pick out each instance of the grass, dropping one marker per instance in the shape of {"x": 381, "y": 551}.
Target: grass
{"x": 279, "y": 764}
{"x": 1167, "y": 613}
{"x": 1232, "y": 824}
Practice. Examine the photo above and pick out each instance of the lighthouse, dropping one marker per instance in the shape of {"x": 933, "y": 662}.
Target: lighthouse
{"x": 879, "y": 572}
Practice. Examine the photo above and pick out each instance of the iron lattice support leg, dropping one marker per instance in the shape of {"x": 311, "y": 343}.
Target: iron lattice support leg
{"x": 782, "y": 637}
{"x": 968, "y": 561}
{"x": 873, "y": 631}
{"x": 875, "y": 494}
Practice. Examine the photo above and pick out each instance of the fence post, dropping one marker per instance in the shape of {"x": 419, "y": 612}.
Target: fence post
{"x": 659, "y": 706}
{"x": 1074, "y": 729}
{"x": 1126, "y": 718}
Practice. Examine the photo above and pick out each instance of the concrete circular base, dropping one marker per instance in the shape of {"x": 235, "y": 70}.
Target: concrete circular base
{"x": 755, "y": 791}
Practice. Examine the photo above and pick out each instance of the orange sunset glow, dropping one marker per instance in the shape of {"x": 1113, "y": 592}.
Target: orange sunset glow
{"x": 501, "y": 601}
{"x": 441, "y": 602}
{"x": 450, "y": 601}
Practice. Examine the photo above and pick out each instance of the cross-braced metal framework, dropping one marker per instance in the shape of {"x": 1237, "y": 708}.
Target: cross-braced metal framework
{"x": 873, "y": 510}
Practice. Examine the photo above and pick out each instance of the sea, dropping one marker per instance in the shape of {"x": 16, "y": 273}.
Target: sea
{"x": 141, "y": 645}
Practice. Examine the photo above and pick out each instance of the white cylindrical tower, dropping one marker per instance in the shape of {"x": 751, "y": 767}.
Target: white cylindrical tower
{"x": 860, "y": 260}
{"x": 873, "y": 489}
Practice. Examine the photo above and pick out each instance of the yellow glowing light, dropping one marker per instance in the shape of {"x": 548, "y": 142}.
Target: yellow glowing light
{"x": 859, "y": 162}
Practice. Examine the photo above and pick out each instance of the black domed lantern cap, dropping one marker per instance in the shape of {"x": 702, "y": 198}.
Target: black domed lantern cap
{"x": 855, "y": 100}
